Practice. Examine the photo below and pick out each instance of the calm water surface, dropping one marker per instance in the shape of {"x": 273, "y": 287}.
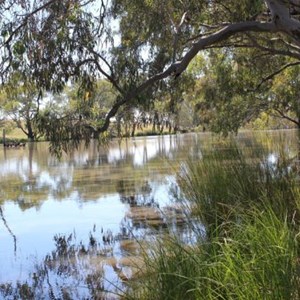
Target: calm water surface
{"x": 109, "y": 192}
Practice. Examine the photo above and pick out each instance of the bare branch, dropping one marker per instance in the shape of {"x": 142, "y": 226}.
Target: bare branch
{"x": 102, "y": 58}
{"x": 101, "y": 70}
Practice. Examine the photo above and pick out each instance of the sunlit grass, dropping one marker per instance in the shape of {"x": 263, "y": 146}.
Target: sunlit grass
{"x": 14, "y": 135}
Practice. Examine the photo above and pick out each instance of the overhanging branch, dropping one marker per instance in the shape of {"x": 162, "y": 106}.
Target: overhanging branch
{"x": 177, "y": 68}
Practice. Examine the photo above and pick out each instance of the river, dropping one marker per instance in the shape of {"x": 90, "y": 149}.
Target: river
{"x": 92, "y": 206}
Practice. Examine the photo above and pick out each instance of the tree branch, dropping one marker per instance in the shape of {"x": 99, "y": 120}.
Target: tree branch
{"x": 15, "y": 31}
{"x": 280, "y": 11}
{"x": 276, "y": 73}
{"x": 177, "y": 68}
{"x": 100, "y": 69}
{"x": 282, "y": 115}
{"x": 177, "y": 30}
{"x": 273, "y": 50}
{"x": 221, "y": 35}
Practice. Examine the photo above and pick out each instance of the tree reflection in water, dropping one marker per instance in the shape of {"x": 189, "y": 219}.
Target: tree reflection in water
{"x": 123, "y": 189}
{"x": 8, "y": 229}
{"x": 99, "y": 268}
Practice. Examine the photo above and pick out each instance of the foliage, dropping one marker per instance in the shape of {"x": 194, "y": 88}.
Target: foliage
{"x": 233, "y": 90}
{"x": 284, "y": 95}
{"x": 142, "y": 48}
{"x": 20, "y": 101}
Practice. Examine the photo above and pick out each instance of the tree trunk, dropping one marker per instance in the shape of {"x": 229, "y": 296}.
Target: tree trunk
{"x": 280, "y": 11}
{"x": 133, "y": 129}
{"x": 119, "y": 130}
{"x": 30, "y": 132}
{"x": 4, "y": 138}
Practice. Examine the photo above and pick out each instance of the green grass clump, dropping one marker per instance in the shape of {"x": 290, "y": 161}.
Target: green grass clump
{"x": 249, "y": 208}
{"x": 258, "y": 260}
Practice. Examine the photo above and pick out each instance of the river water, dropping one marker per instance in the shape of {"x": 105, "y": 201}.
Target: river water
{"x": 96, "y": 201}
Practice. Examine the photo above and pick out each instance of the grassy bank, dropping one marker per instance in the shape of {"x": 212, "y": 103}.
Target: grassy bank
{"x": 12, "y": 134}
{"x": 247, "y": 246}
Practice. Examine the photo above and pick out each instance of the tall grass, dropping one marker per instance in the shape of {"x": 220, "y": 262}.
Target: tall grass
{"x": 228, "y": 181}
{"x": 249, "y": 207}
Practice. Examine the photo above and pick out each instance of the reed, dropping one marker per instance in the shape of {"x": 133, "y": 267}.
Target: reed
{"x": 249, "y": 208}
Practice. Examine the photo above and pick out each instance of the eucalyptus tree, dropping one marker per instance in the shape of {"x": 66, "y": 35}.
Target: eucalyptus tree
{"x": 284, "y": 95}
{"x": 234, "y": 89}
{"x": 229, "y": 92}
{"x": 20, "y": 102}
{"x": 136, "y": 45}
{"x": 91, "y": 105}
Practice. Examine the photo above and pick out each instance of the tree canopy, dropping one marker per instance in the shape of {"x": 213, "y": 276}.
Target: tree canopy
{"x": 20, "y": 100}
{"x": 142, "y": 47}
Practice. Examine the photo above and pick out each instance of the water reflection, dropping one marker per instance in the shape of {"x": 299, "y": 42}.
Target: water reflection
{"x": 32, "y": 173}
{"x": 89, "y": 188}
{"x": 8, "y": 229}
{"x": 97, "y": 203}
